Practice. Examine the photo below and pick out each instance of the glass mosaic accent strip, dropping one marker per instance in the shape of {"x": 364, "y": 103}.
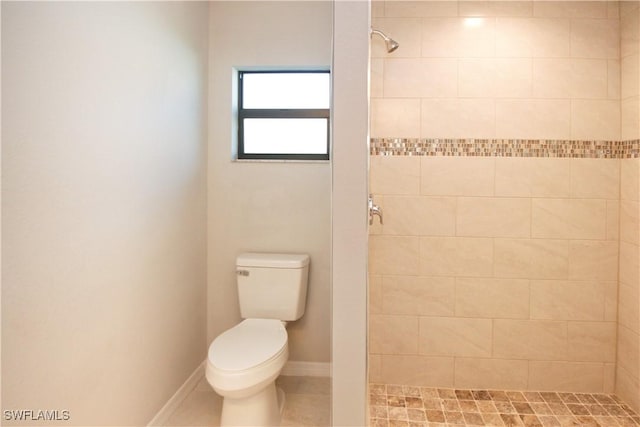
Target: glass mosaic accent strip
{"x": 505, "y": 148}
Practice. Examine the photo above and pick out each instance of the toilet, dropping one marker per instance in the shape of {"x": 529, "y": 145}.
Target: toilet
{"x": 244, "y": 361}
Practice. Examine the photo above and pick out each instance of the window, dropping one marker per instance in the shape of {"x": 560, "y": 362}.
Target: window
{"x": 283, "y": 115}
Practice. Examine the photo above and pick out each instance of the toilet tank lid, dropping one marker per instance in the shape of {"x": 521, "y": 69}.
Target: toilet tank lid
{"x": 255, "y": 259}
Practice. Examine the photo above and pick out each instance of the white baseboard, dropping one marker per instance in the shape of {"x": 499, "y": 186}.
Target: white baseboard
{"x": 172, "y": 404}
{"x": 306, "y": 369}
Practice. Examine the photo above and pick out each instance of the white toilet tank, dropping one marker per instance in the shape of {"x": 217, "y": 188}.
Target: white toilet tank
{"x": 272, "y": 286}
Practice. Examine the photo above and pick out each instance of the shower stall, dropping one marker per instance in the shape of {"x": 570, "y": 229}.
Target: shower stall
{"x": 504, "y": 153}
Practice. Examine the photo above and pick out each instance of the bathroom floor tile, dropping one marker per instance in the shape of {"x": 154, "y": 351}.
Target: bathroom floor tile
{"x": 455, "y": 407}
{"x": 307, "y": 403}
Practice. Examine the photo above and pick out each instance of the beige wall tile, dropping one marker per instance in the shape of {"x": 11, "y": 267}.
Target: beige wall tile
{"x": 628, "y": 355}
{"x": 628, "y": 388}
{"x": 588, "y": 219}
{"x": 551, "y": 218}
{"x": 537, "y": 177}
{"x": 613, "y": 79}
{"x": 395, "y": 118}
{"x": 630, "y": 179}
{"x": 513, "y": 78}
{"x": 377, "y": 8}
{"x": 375, "y": 368}
{"x": 629, "y": 309}
{"x": 567, "y": 300}
{"x": 478, "y": 40}
{"x": 375, "y": 294}
{"x": 446, "y": 256}
{"x": 589, "y": 78}
{"x": 491, "y": 374}
{"x": 566, "y": 218}
{"x": 595, "y": 38}
{"x": 457, "y": 176}
{"x": 393, "y": 255}
{"x": 393, "y": 334}
{"x": 629, "y": 263}
{"x": 495, "y": 77}
{"x": 418, "y": 370}
{"x": 613, "y": 220}
{"x": 474, "y": 257}
{"x": 595, "y": 119}
{"x": 513, "y": 176}
{"x": 566, "y": 376}
{"x": 630, "y": 222}
{"x": 552, "y": 78}
{"x": 513, "y": 8}
{"x": 512, "y": 258}
{"x": 629, "y": 71}
{"x": 571, "y": 8}
{"x": 550, "y": 177}
{"x": 476, "y": 8}
{"x": 549, "y": 259}
{"x": 513, "y": 37}
{"x": 610, "y": 301}
{"x": 533, "y": 118}
{"x": 595, "y": 178}
{"x": 530, "y": 339}
{"x": 394, "y": 175}
{"x": 406, "y": 30}
{"x": 493, "y": 217}
{"x": 440, "y": 37}
{"x": 492, "y": 298}
{"x": 449, "y": 336}
{"x": 629, "y": 32}
{"x": 426, "y": 296}
{"x": 551, "y": 37}
{"x": 592, "y": 341}
{"x": 458, "y": 118}
{"x": 377, "y": 74}
{"x": 609, "y": 378}
{"x": 590, "y": 259}
{"x": 438, "y": 256}
{"x": 421, "y": 215}
{"x": 630, "y": 118}
{"x": 420, "y": 8}
{"x": 420, "y": 77}
{"x": 477, "y": 77}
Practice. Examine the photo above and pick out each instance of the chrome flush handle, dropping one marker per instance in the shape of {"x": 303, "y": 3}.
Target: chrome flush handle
{"x": 374, "y": 210}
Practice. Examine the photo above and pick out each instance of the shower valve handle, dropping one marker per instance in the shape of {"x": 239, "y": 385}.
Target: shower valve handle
{"x": 374, "y": 210}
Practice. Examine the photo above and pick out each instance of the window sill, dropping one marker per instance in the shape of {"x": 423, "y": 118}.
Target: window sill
{"x": 280, "y": 161}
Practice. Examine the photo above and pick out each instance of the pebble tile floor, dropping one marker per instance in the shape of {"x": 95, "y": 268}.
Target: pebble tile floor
{"x": 397, "y": 405}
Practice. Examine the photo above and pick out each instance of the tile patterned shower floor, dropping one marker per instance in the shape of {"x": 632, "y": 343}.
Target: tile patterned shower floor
{"x": 396, "y": 405}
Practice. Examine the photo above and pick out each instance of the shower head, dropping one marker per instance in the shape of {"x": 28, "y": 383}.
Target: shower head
{"x": 391, "y": 44}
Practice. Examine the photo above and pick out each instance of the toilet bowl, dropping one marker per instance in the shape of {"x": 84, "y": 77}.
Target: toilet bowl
{"x": 244, "y": 361}
{"x": 242, "y": 366}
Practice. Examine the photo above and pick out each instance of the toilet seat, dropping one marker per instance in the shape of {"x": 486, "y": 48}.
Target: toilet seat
{"x": 247, "y": 345}
{"x": 246, "y": 357}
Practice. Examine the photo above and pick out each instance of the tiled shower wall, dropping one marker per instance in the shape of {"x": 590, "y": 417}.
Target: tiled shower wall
{"x": 628, "y": 357}
{"x": 497, "y": 272}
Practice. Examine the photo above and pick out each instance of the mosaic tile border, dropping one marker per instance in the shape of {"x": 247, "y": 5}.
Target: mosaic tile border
{"x": 505, "y": 148}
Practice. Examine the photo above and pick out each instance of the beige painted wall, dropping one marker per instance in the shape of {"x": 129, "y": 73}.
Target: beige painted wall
{"x": 266, "y": 206}
{"x": 104, "y": 266}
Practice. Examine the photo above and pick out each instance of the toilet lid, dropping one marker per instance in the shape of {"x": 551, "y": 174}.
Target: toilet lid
{"x": 248, "y": 344}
